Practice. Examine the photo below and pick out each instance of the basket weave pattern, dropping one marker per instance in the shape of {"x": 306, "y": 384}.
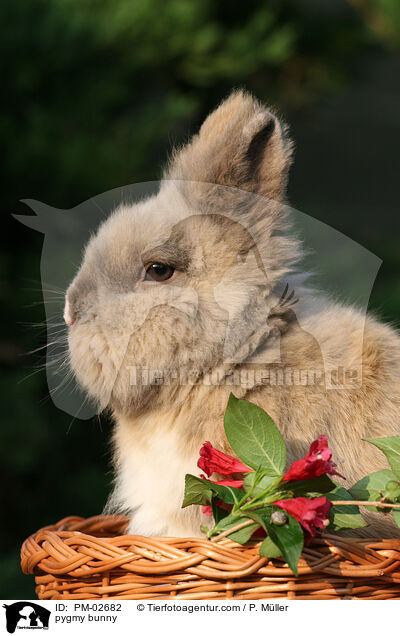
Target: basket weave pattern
{"x": 92, "y": 559}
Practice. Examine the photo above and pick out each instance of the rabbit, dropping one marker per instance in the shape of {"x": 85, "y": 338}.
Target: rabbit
{"x": 181, "y": 292}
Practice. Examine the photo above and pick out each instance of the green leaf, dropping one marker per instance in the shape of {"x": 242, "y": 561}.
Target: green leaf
{"x": 344, "y": 516}
{"x": 244, "y": 535}
{"x": 200, "y": 491}
{"x": 227, "y": 493}
{"x": 396, "y": 516}
{"x": 288, "y": 538}
{"x": 269, "y": 550}
{"x": 218, "y": 512}
{"x": 197, "y": 491}
{"x": 240, "y": 536}
{"x": 227, "y": 522}
{"x": 254, "y": 437}
{"x": 390, "y": 446}
{"x": 264, "y": 482}
{"x": 317, "y": 485}
{"x": 369, "y": 488}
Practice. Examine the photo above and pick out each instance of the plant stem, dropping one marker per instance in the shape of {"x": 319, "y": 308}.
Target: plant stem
{"x": 244, "y": 498}
{"x": 376, "y": 504}
{"x": 250, "y": 505}
{"x": 260, "y": 496}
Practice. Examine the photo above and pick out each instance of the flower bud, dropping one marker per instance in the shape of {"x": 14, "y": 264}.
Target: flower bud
{"x": 279, "y": 518}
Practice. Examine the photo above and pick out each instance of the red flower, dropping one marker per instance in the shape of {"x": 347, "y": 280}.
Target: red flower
{"x": 235, "y": 483}
{"x": 214, "y": 461}
{"x": 317, "y": 462}
{"x": 313, "y": 514}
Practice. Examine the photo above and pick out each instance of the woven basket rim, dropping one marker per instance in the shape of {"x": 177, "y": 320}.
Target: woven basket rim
{"x": 78, "y": 556}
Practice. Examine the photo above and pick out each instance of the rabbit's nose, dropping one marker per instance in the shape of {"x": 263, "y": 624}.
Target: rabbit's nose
{"x": 68, "y": 314}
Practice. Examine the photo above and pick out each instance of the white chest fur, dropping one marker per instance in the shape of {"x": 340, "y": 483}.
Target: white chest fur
{"x": 152, "y": 461}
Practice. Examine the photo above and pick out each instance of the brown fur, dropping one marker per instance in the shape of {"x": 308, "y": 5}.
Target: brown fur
{"x": 232, "y": 248}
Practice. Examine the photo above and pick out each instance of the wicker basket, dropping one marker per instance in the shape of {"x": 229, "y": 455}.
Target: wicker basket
{"x": 92, "y": 559}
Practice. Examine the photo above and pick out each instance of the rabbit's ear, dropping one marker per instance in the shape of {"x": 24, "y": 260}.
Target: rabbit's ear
{"x": 242, "y": 145}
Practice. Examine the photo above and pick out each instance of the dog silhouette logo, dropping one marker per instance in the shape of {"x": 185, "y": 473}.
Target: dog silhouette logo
{"x": 26, "y": 615}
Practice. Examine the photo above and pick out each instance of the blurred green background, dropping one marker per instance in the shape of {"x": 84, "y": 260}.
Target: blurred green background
{"x": 94, "y": 94}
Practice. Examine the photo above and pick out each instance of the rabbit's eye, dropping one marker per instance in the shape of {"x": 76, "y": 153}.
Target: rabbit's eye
{"x": 159, "y": 272}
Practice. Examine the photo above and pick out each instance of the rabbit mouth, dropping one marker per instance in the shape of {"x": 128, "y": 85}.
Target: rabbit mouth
{"x": 99, "y": 362}
{"x": 92, "y": 362}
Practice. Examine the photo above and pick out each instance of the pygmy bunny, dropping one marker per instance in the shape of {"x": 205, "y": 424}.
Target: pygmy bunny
{"x": 183, "y": 291}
